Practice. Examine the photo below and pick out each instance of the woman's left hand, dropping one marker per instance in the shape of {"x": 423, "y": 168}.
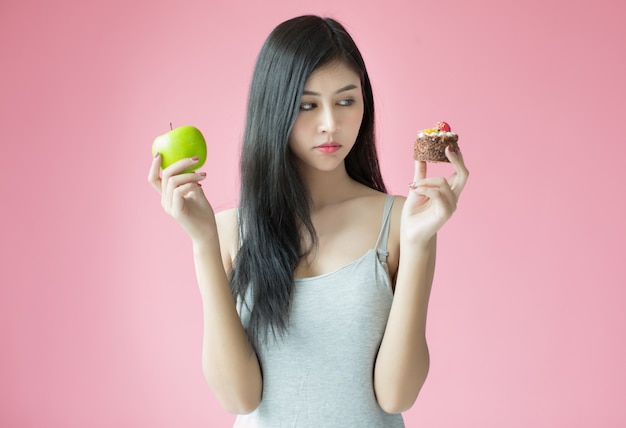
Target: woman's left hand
{"x": 431, "y": 201}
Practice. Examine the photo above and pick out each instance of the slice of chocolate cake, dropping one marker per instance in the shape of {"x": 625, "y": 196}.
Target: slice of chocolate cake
{"x": 431, "y": 143}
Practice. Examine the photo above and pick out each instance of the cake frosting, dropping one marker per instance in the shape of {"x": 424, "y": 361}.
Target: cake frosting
{"x": 431, "y": 143}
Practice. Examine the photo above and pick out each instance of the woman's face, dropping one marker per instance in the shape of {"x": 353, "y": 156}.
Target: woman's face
{"x": 331, "y": 111}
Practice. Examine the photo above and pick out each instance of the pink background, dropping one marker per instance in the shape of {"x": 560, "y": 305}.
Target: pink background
{"x": 100, "y": 318}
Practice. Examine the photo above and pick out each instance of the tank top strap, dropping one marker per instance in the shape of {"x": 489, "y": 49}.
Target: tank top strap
{"x": 381, "y": 242}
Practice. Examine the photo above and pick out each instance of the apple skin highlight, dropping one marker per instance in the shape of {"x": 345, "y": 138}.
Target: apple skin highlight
{"x": 180, "y": 143}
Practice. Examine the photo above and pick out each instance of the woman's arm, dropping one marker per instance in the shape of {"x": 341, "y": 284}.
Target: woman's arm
{"x": 403, "y": 359}
{"x": 229, "y": 364}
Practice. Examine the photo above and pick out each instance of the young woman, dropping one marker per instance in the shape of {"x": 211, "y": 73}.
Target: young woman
{"x": 315, "y": 289}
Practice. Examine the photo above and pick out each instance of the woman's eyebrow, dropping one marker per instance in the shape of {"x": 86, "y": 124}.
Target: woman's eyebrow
{"x": 344, "y": 89}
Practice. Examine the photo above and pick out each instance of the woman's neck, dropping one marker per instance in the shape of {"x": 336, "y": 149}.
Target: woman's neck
{"x": 329, "y": 187}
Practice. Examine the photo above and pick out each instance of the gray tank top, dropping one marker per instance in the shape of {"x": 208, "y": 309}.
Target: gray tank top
{"x": 321, "y": 373}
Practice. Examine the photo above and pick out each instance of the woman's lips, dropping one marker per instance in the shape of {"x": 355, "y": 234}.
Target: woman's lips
{"x": 328, "y": 147}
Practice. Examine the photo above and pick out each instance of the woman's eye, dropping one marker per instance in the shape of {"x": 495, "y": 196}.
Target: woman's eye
{"x": 346, "y": 102}
{"x": 307, "y": 106}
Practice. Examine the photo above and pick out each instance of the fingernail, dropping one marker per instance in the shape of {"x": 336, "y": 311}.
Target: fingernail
{"x": 157, "y": 155}
{"x": 412, "y": 185}
{"x": 195, "y": 158}
{"x": 202, "y": 174}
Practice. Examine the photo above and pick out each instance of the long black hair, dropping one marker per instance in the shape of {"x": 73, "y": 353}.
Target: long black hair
{"x": 274, "y": 206}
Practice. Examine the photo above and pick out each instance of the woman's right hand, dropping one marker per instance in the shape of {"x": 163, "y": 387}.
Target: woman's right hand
{"x": 182, "y": 197}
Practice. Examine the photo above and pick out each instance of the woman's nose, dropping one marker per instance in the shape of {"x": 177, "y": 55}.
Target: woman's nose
{"x": 328, "y": 121}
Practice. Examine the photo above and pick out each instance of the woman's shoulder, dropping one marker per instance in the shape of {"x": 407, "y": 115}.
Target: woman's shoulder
{"x": 227, "y": 223}
{"x": 374, "y": 198}
{"x": 366, "y": 198}
{"x": 227, "y": 214}
{"x": 369, "y": 195}
{"x": 228, "y": 231}
{"x": 372, "y": 203}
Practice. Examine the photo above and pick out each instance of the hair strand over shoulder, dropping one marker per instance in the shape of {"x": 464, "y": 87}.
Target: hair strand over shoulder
{"x": 274, "y": 206}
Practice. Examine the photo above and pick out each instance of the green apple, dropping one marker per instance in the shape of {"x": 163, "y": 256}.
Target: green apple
{"x": 180, "y": 143}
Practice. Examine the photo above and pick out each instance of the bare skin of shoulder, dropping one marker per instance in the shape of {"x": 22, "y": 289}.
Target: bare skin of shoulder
{"x": 346, "y": 230}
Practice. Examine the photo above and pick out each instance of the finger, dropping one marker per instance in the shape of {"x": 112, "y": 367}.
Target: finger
{"x": 181, "y": 179}
{"x": 459, "y": 178}
{"x": 179, "y": 166}
{"x": 438, "y": 183}
{"x": 181, "y": 193}
{"x": 442, "y": 196}
{"x": 450, "y": 197}
{"x": 428, "y": 192}
{"x": 431, "y": 182}
{"x": 153, "y": 174}
{"x": 171, "y": 171}
{"x": 453, "y": 152}
{"x": 420, "y": 171}
{"x": 435, "y": 182}
{"x": 177, "y": 181}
